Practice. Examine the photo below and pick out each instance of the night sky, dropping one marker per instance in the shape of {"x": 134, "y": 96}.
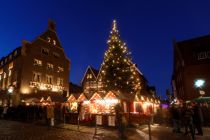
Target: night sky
{"x": 147, "y": 26}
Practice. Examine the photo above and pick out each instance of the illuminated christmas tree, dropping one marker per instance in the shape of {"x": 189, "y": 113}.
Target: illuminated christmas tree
{"x": 118, "y": 72}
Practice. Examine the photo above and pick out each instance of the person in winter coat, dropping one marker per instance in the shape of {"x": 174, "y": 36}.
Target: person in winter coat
{"x": 197, "y": 118}
{"x": 187, "y": 117}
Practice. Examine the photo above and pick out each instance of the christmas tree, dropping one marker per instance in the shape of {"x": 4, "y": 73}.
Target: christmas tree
{"x": 118, "y": 72}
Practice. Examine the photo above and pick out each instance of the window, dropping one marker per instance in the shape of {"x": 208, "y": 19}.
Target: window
{"x": 5, "y": 60}
{"x": 89, "y": 76}
{"x": 2, "y": 63}
{"x": 54, "y": 42}
{"x": 10, "y": 57}
{"x": 0, "y": 77}
{"x": 60, "y": 69}
{"x": 56, "y": 55}
{"x": 208, "y": 54}
{"x": 10, "y": 72}
{"x": 5, "y": 75}
{"x": 60, "y": 82}
{"x": 11, "y": 65}
{"x": 37, "y": 62}
{"x": 48, "y": 39}
{"x": 45, "y": 51}
{"x": 49, "y": 79}
{"x": 202, "y": 55}
{"x": 37, "y": 77}
{"x": 49, "y": 66}
{"x": 15, "y": 53}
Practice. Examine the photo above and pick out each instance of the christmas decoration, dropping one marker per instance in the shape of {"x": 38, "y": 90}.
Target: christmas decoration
{"x": 118, "y": 72}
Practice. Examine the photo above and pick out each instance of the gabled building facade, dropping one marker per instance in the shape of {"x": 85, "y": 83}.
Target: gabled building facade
{"x": 36, "y": 68}
{"x": 89, "y": 81}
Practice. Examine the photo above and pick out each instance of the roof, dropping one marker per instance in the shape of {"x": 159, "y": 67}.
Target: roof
{"x": 55, "y": 97}
{"x": 16, "y": 49}
{"x": 94, "y": 71}
{"x": 73, "y": 88}
{"x": 194, "y": 42}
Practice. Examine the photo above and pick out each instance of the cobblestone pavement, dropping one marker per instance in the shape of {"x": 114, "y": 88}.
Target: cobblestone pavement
{"x": 165, "y": 133}
{"x": 10, "y": 130}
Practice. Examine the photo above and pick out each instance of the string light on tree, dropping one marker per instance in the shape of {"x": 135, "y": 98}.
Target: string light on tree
{"x": 118, "y": 65}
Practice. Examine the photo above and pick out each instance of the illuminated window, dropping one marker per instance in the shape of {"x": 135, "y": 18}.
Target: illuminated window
{"x": 54, "y": 42}
{"x": 60, "y": 69}
{"x": 49, "y": 79}
{"x": 37, "y": 77}
{"x": 60, "y": 82}
{"x": 49, "y": 66}
{"x": 0, "y": 77}
{"x": 37, "y": 62}
{"x": 45, "y": 51}
{"x": 48, "y": 39}
{"x": 10, "y": 72}
{"x": 2, "y": 63}
{"x": 5, "y": 75}
{"x": 90, "y": 76}
{"x": 11, "y": 65}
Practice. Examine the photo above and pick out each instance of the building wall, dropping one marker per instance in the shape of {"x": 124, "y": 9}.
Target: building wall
{"x": 191, "y": 62}
{"x": 24, "y": 67}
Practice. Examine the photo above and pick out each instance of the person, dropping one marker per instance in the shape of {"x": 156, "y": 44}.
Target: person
{"x": 50, "y": 115}
{"x": 188, "y": 120}
{"x": 197, "y": 118}
{"x": 120, "y": 120}
{"x": 5, "y": 111}
{"x": 176, "y": 118}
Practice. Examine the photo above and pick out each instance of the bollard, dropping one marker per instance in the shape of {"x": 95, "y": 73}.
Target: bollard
{"x": 149, "y": 129}
{"x": 64, "y": 120}
{"x": 78, "y": 124}
{"x": 95, "y": 127}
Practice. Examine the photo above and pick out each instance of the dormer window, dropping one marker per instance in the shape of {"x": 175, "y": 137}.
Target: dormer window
{"x": 10, "y": 57}
{"x": 48, "y": 39}
{"x": 54, "y": 42}
{"x": 56, "y": 55}
{"x": 45, "y": 51}
{"x": 15, "y": 53}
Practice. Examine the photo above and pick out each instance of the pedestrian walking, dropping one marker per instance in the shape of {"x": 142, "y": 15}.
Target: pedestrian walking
{"x": 197, "y": 118}
{"x": 187, "y": 116}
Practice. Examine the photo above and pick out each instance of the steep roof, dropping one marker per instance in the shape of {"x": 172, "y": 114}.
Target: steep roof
{"x": 73, "y": 88}
{"x": 93, "y": 71}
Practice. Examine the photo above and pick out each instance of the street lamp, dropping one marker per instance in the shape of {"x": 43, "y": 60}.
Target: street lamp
{"x": 199, "y": 84}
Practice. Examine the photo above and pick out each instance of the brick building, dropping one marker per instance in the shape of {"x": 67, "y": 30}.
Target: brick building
{"x": 36, "y": 69}
{"x": 191, "y": 63}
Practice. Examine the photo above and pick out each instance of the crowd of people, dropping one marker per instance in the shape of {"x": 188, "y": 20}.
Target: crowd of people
{"x": 190, "y": 115}
{"x": 32, "y": 113}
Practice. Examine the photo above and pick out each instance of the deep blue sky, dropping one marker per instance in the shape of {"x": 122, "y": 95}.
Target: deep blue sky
{"x": 147, "y": 26}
